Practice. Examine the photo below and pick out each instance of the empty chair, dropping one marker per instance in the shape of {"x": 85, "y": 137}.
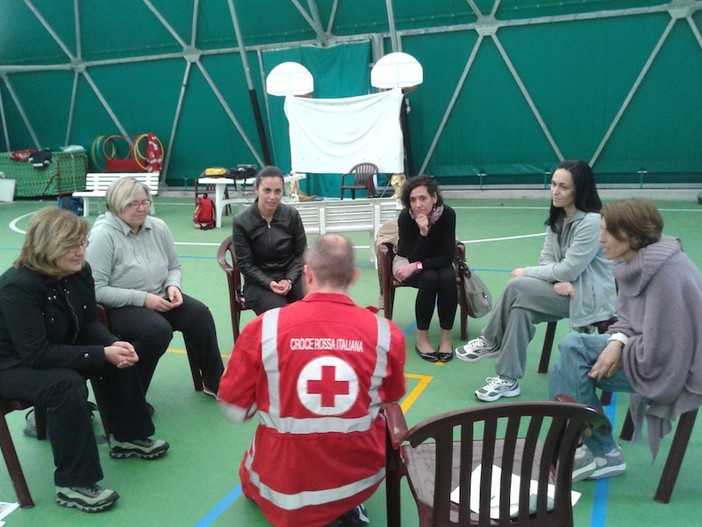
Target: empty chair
{"x": 464, "y": 467}
{"x": 362, "y": 179}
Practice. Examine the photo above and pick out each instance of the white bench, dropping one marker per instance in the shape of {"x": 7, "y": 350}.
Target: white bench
{"x": 348, "y": 215}
{"x": 96, "y": 184}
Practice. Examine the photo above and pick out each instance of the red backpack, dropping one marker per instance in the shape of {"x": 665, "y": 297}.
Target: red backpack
{"x": 204, "y": 217}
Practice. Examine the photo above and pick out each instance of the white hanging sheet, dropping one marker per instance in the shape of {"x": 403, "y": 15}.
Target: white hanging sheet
{"x": 332, "y": 135}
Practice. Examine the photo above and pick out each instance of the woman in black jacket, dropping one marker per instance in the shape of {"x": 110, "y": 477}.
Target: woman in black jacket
{"x": 269, "y": 242}
{"x": 425, "y": 254}
{"x": 51, "y": 340}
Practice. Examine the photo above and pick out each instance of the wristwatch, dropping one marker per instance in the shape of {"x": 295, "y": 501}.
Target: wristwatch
{"x": 419, "y": 267}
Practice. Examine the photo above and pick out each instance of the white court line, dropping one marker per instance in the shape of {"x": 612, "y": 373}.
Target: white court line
{"x": 504, "y": 238}
{"x": 13, "y": 223}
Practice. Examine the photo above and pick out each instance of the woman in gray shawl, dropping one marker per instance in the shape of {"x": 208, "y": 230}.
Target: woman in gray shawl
{"x": 653, "y": 352}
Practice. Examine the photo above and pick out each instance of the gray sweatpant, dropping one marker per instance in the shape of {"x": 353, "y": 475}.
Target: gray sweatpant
{"x": 524, "y": 303}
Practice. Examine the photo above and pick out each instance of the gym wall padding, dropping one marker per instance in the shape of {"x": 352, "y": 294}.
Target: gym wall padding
{"x": 616, "y": 82}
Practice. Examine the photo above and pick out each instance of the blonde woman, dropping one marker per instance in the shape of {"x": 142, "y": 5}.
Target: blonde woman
{"x": 51, "y": 340}
{"x": 138, "y": 279}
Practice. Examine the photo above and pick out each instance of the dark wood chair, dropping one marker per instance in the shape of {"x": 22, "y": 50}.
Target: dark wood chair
{"x": 227, "y": 261}
{"x": 678, "y": 447}
{"x": 534, "y": 441}
{"x": 362, "y": 175}
{"x": 9, "y": 452}
{"x": 386, "y": 254}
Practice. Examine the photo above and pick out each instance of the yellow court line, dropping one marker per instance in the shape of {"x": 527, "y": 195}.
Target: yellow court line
{"x": 424, "y": 381}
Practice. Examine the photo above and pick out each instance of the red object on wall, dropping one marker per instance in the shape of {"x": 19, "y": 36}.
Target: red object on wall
{"x": 123, "y": 165}
{"x": 154, "y": 153}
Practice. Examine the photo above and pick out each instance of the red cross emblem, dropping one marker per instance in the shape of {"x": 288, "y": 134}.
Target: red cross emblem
{"x": 327, "y": 386}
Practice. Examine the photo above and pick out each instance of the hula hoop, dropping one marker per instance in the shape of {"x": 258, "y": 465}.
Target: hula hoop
{"x": 93, "y": 152}
{"x": 136, "y": 154}
{"x": 109, "y": 140}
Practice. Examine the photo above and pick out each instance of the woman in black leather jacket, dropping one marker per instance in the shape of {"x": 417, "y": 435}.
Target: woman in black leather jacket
{"x": 269, "y": 241}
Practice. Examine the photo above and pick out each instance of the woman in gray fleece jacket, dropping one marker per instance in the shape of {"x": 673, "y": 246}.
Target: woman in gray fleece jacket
{"x": 573, "y": 280}
{"x": 653, "y": 351}
{"x": 138, "y": 279}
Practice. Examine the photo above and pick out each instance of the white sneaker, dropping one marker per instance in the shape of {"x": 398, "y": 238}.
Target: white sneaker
{"x": 476, "y": 349}
{"x": 584, "y": 463}
{"x": 497, "y": 387}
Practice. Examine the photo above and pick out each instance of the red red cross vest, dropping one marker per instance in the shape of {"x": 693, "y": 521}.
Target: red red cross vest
{"x": 316, "y": 371}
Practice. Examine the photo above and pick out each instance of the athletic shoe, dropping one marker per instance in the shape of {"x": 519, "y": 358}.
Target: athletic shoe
{"x": 356, "y": 517}
{"x": 211, "y": 393}
{"x": 609, "y": 465}
{"x": 88, "y": 499}
{"x": 497, "y": 387}
{"x": 142, "y": 448}
{"x": 584, "y": 463}
{"x": 476, "y": 349}
{"x": 30, "y": 424}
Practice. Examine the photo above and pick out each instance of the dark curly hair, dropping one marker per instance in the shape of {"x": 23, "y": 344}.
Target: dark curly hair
{"x": 420, "y": 181}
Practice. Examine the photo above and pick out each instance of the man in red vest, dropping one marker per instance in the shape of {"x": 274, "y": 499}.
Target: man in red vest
{"x": 316, "y": 371}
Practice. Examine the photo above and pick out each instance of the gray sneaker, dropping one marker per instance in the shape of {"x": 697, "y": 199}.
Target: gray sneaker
{"x": 88, "y": 499}
{"x": 609, "y": 465}
{"x": 30, "y": 424}
{"x": 497, "y": 387}
{"x": 476, "y": 349}
{"x": 141, "y": 448}
{"x": 584, "y": 463}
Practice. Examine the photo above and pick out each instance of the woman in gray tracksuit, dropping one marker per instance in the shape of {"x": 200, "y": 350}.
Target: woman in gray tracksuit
{"x": 573, "y": 280}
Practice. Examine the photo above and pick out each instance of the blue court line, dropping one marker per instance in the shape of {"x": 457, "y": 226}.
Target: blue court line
{"x": 599, "y": 504}
{"x": 218, "y": 509}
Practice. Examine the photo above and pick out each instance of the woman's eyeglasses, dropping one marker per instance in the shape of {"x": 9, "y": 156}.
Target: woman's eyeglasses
{"x": 146, "y": 203}
{"x": 77, "y": 248}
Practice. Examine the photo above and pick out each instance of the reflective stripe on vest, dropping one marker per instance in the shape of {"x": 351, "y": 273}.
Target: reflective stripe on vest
{"x": 306, "y": 498}
{"x": 321, "y": 424}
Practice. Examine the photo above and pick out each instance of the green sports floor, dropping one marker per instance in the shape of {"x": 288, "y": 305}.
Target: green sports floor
{"x": 197, "y": 483}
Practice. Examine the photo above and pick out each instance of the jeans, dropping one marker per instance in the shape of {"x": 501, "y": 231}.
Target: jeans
{"x": 569, "y": 377}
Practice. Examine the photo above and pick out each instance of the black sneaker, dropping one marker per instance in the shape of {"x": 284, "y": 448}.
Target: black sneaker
{"x": 142, "y": 448}
{"x": 356, "y": 517}
{"x": 88, "y": 499}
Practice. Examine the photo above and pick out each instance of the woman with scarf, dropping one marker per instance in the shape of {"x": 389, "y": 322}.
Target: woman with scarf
{"x": 653, "y": 351}
{"x": 425, "y": 254}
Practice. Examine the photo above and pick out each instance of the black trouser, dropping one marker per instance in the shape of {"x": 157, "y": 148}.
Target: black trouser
{"x": 64, "y": 394}
{"x": 261, "y": 299}
{"x": 150, "y": 333}
{"x": 435, "y": 287}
